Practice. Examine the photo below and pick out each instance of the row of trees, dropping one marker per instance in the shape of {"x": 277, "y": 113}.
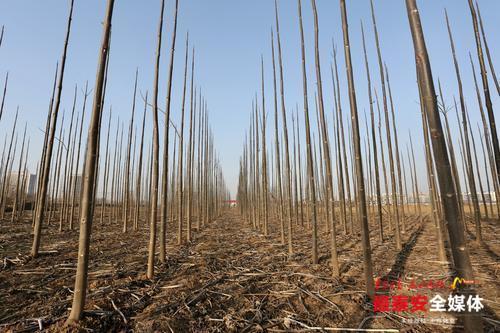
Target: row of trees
{"x": 120, "y": 186}
{"x": 321, "y": 192}
{"x": 349, "y": 182}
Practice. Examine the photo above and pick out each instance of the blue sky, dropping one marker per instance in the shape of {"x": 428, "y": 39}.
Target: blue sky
{"x": 230, "y": 37}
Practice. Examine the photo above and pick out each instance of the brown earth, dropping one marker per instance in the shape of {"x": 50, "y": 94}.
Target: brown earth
{"x": 230, "y": 278}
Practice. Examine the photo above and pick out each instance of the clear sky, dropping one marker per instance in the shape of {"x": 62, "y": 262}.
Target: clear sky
{"x": 230, "y": 36}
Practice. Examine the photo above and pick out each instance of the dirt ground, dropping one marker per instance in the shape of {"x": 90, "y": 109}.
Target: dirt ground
{"x": 230, "y": 278}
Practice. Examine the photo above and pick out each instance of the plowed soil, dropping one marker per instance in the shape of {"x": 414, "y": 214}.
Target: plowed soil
{"x": 229, "y": 278}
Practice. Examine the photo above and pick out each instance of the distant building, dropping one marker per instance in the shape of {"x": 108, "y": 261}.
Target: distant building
{"x": 424, "y": 198}
{"x": 25, "y": 178}
{"x": 490, "y": 197}
{"x": 32, "y": 183}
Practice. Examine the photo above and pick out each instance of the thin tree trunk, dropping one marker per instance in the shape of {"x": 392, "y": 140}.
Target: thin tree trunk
{"x": 468, "y": 159}
{"x": 485, "y": 163}
{"x": 127, "y": 160}
{"x": 180, "y": 175}
{"x": 4, "y": 90}
{"x": 75, "y": 181}
{"x": 156, "y": 155}
{"x": 286, "y": 150}
{"x": 57, "y": 173}
{"x": 138, "y": 180}
{"x": 310, "y": 162}
{"x": 265, "y": 187}
{"x": 189, "y": 160}
{"x": 41, "y": 198}
{"x": 164, "y": 199}
{"x": 107, "y": 163}
{"x": 491, "y": 159}
{"x": 16, "y": 196}
{"x": 3, "y": 197}
{"x": 64, "y": 189}
{"x": 486, "y": 48}
{"x": 111, "y": 215}
{"x": 200, "y": 158}
{"x": 281, "y": 216}
{"x": 388, "y": 134}
{"x": 339, "y": 163}
{"x": 374, "y": 142}
{"x": 362, "y": 211}
{"x": 478, "y": 171}
{"x": 458, "y": 243}
{"x": 44, "y": 147}
{"x": 86, "y": 217}
{"x": 432, "y": 187}
{"x": 396, "y": 152}
{"x": 347, "y": 186}
{"x": 486, "y": 89}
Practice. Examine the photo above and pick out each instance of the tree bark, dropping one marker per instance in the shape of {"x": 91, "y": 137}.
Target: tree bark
{"x": 42, "y": 196}
{"x": 86, "y": 216}
{"x": 458, "y": 243}
{"x": 362, "y": 211}
{"x": 156, "y": 155}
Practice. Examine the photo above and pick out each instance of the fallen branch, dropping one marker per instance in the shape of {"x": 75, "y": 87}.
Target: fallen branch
{"x": 118, "y": 310}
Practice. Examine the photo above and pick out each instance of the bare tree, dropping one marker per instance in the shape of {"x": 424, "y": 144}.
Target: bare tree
{"x": 18, "y": 180}
{"x": 180, "y": 173}
{"x": 277, "y": 148}
{"x": 189, "y": 159}
{"x": 374, "y": 142}
{"x": 63, "y": 202}
{"x": 3, "y": 194}
{"x": 75, "y": 180}
{"x": 88, "y": 198}
{"x": 1, "y": 35}
{"x": 494, "y": 175}
{"x": 345, "y": 167}
{"x": 486, "y": 89}
{"x": 4, "y": 90}
{"x": 468, "y": 159}
{"x": 164, "y": 191}
{"x": 138, "y": 179}
{"x": 365, "y": 233}
{"x": 286, "y": 150}
{"x": 156, "y": 154}
{"x": 487, "y": 50}
{"x": 388, "y": 136}
{"x": 42, "y": 196}
{"x": 326, "y": 147}
{"x": 310, "y": 162}
{"x": 127, "y": 159}
{"x": 458, "y": 243}
{"x": 265, "y": 186}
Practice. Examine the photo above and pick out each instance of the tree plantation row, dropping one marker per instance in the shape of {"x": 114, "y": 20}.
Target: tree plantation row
{"x": 306, "y": 171}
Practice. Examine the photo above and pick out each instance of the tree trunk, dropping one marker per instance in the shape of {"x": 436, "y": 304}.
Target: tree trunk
{"x": 42, "y": 196}
{"x": 486, "y": 89}
{"x": 468, "y": 159}
{"x": 362, "y": 211}
{"x": 86, "y": 216}
{"x": 374, "y": 143}
{"x": 286, "y": 150}
{"x": 156, "y": 155}
{"x": 458, "y": 243}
